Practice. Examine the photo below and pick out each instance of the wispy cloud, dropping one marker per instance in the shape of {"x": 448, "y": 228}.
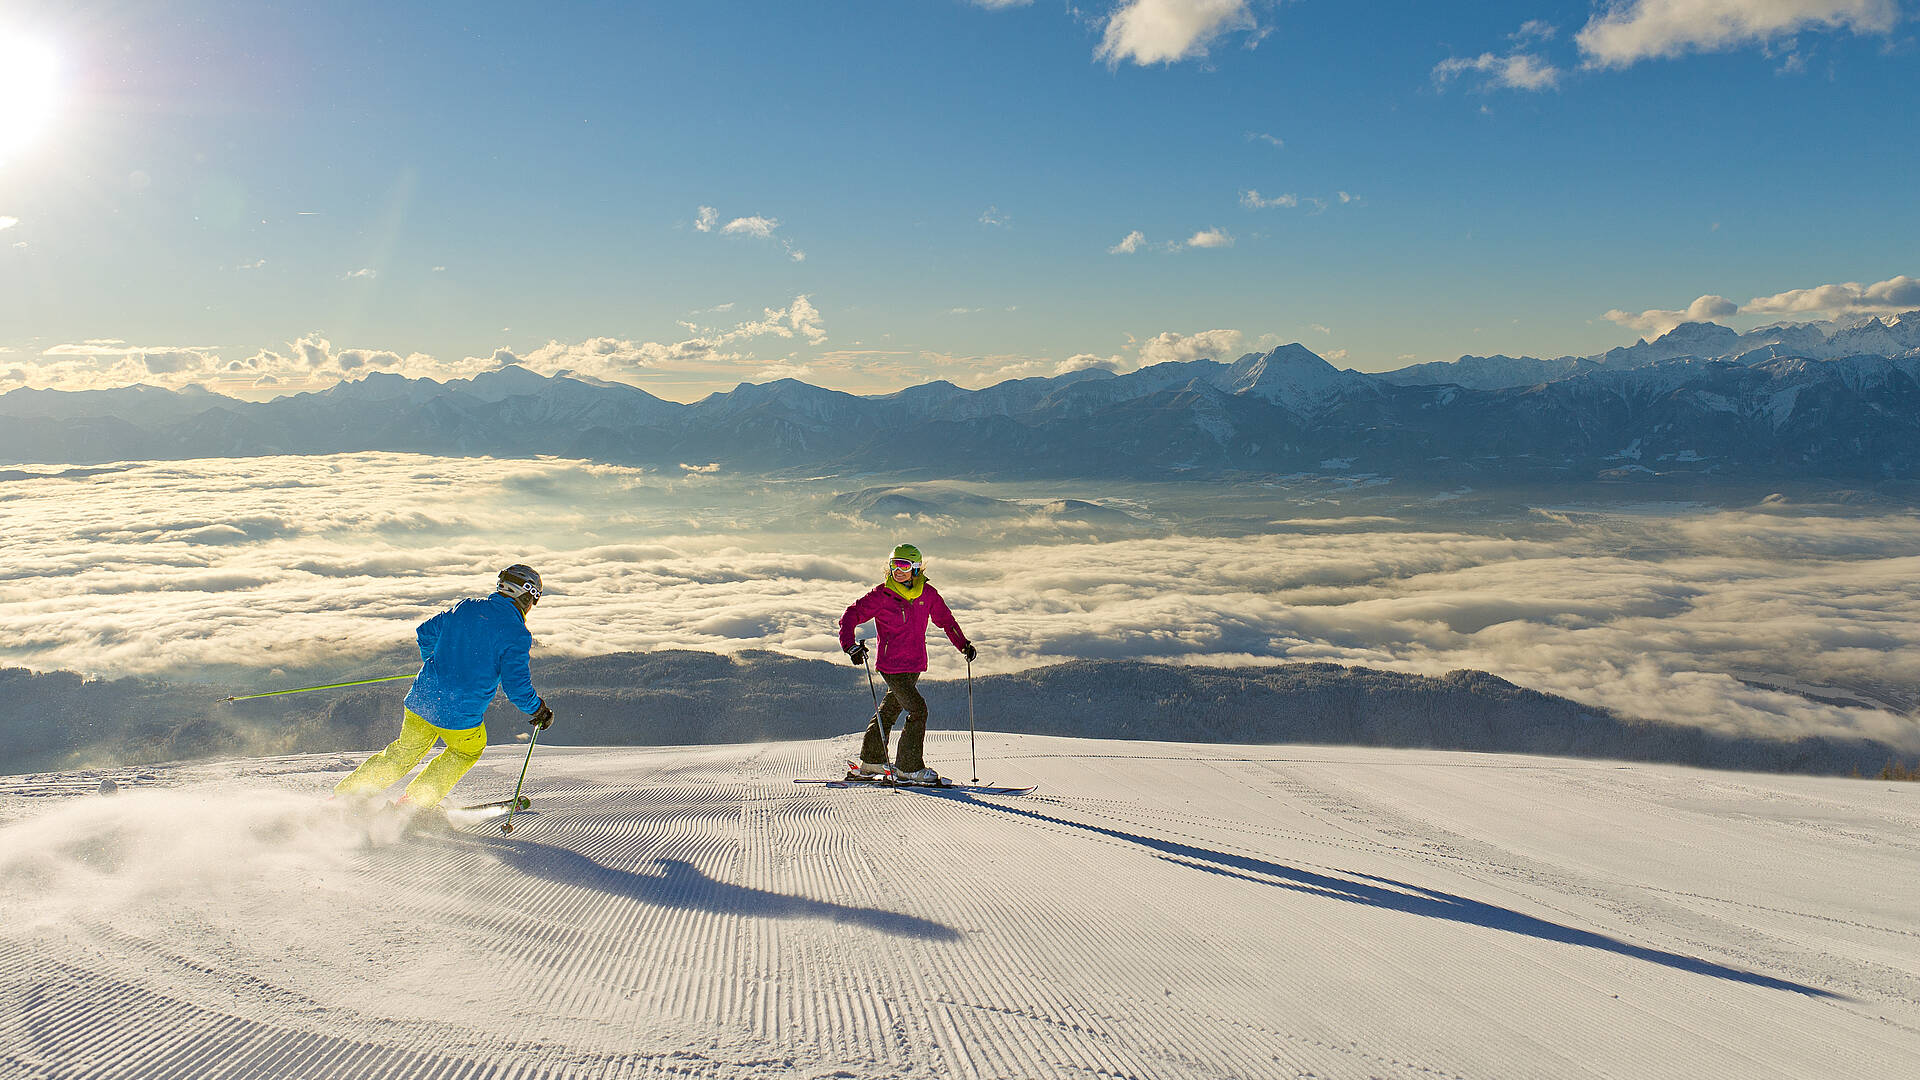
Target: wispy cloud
{"x": 993, "y": 215}
{"x": 1514, "y": 71}
{"x": 1261, "y": 136}
{"x": 1253, "y": 200}
{"x": 705, "y": 352}
{"x": 1129, "y": 243}
{"x": 363, "y": 272}
{"x": 757, "y": 226}
{"x": 1625, "y": 33}
{"x": 1210, "y": 238}
{"x": 1533, "y": 30}
{"x": 1165, "y": 31}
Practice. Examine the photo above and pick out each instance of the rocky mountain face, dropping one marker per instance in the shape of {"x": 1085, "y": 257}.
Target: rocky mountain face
{"x": 1813, "y": 400}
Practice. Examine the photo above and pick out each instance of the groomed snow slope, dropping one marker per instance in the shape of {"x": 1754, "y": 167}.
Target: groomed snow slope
{"x": 1155, "y": 910}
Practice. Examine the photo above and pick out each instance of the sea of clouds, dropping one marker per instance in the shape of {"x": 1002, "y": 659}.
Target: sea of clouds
{"x": 204, "y": 569}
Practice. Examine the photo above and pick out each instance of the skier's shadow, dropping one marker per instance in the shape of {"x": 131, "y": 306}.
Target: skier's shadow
{"x": 1413, "y": 899}
{"x": 681, "y": 884}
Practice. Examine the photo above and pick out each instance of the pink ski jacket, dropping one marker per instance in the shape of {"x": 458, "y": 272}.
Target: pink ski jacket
{"x": 902, "y": 626}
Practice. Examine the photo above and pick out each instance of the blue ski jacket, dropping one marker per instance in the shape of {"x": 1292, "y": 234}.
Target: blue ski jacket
{"x": 466, "y": 652}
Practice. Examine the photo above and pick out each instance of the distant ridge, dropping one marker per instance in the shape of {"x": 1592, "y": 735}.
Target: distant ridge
{"x": 57, "y": 720}
{"x": 1838, "y": 401}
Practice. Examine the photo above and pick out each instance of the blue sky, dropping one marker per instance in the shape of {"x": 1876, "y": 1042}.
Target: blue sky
{"x": 870, "y": 195}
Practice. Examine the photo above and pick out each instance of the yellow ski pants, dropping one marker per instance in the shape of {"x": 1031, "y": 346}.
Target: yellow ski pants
{"x": 416, "y": 738}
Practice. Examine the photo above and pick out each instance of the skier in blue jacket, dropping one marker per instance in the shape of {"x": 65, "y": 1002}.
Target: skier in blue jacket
{"x": 466, "y": 653}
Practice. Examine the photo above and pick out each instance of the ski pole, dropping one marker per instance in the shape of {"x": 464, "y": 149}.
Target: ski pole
{"x": 868, "y": 664}
{"x": 514, "y": 804}
{"x": 329, "y": 686}
{"x": 971, "y": 747}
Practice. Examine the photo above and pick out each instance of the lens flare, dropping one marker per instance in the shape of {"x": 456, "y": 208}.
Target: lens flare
{"x": 29, "y": 92}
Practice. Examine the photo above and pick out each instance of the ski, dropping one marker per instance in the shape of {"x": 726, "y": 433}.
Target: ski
{"x": 501, "y": 804}
{"x": 962, "y": 789}
{"x": 891, "y": 779}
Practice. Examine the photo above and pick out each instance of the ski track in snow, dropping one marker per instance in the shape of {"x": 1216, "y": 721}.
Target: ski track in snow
{"x": 1154, "y": 910}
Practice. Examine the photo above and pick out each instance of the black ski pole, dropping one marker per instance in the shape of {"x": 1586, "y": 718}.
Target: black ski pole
{"x": 864, "y": 662}
{"x": 970, "y": 736}
{"x": 507, "y": 825}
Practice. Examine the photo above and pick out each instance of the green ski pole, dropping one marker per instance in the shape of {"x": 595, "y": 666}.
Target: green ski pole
{"x": 514, "y": 803}
{"x": 329, "y": 686}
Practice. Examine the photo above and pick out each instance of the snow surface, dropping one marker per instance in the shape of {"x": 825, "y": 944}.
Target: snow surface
{"x": 1154, "y": 910}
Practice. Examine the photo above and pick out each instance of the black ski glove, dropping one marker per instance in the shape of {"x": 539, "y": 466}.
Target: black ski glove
{"x": 858, "y": 654}
{"x": 542, "y": 716}
{"x": 969, "y": 651}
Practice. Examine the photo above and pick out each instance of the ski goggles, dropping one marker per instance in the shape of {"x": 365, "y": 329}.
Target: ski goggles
{"x": 904, "y": 564}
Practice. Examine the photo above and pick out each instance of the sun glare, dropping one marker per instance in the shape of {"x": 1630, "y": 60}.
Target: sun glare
{"x": 29, "y": 83}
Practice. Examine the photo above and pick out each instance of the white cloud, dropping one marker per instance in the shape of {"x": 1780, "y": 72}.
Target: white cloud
{"x": 1205, "y": 345}
{"x": 363, "y": 272}
{"x": 1892, "y": 296}
{"x": 1515, "y": 71}
{"x": 756, "y": 225}
{"x": 1654, "y": 321}
{"x": 1261, "y": 136}
{"x": 8, "y": 222}
{"x": 1210, "y": 238}
{"x": 714, "y": 351}
{"x": 1164, "y": 31}
{"x": 254, "y": 265}
{"x": 1129, "y": 243}
{"x": 101, "y": 363}
{"x": 1634, "y": 30}
{"x": 993, "y": 215}
{"x": 1896, "y": 294}
{"x": 999, "y": 5}
{"x": 1253, "y": 200}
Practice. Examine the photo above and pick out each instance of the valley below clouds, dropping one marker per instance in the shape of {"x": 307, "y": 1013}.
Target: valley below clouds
{"x": 1745, "y": 612}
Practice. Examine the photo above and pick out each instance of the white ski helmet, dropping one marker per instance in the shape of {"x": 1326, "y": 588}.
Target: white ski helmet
{"x": 520, "y": 580}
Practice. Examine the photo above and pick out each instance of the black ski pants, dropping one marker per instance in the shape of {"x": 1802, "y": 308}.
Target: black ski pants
{"x": 902, "y": 695}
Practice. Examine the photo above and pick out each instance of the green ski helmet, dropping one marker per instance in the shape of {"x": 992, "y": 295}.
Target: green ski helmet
{"x": 905, "y": 556}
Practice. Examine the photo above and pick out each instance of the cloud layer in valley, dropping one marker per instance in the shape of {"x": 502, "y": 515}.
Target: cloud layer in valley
{"x": 184, "y": 569}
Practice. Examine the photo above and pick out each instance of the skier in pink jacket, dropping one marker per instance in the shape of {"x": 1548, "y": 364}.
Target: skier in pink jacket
{"x": 900, "y": 607}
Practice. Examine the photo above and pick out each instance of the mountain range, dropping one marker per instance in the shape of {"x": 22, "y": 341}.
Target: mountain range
{"x": 1835, "y": 400}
